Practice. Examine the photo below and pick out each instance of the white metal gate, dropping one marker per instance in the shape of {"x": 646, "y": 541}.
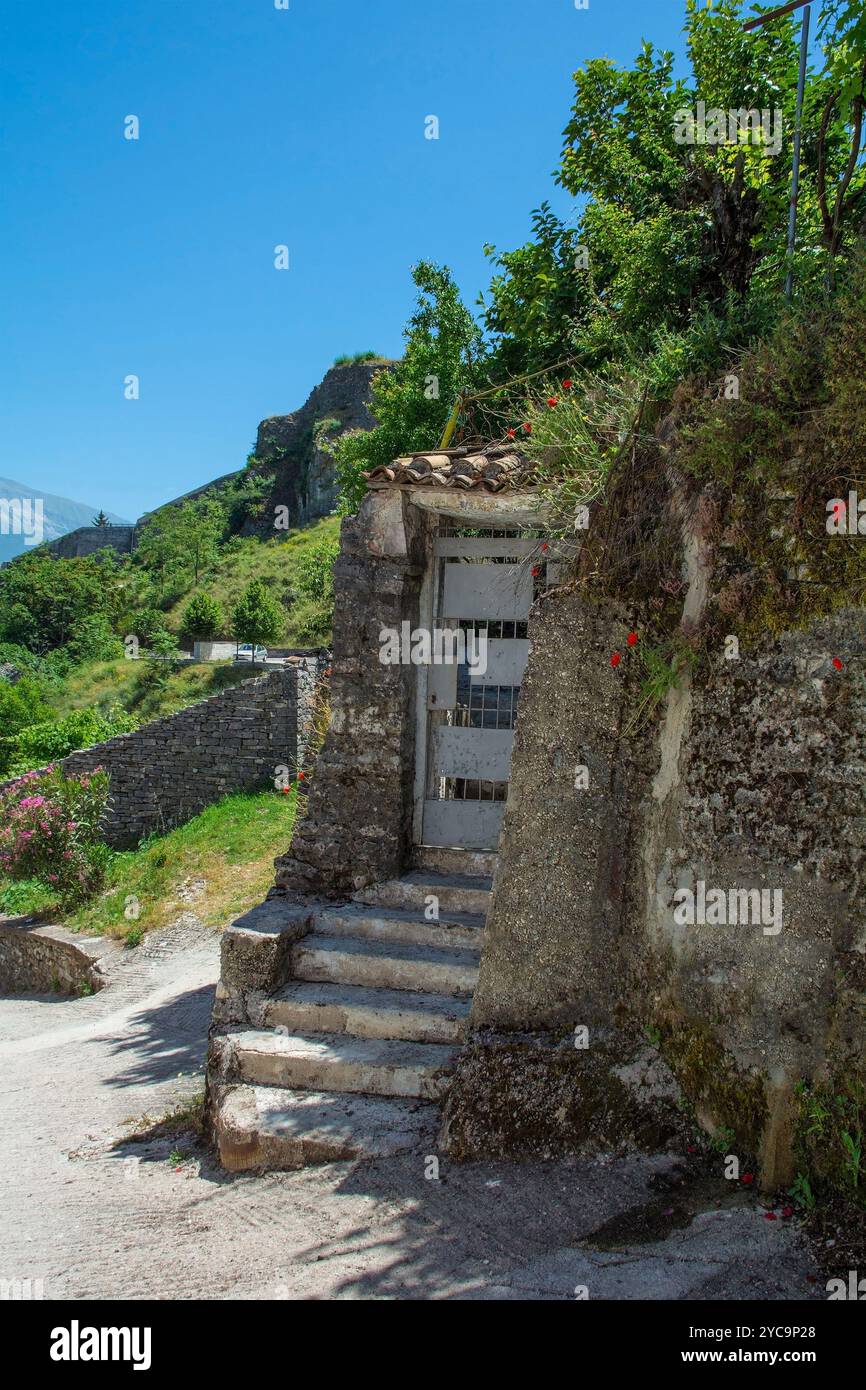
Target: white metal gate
{"x": 478, "y": 602}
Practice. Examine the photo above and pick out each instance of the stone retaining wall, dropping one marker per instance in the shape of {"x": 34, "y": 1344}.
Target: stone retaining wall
{"x": 172, "y": 768}
{"x": 45, "y": 960}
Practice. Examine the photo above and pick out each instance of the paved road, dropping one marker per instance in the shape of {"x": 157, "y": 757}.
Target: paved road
{"x": 96, "y": 1216}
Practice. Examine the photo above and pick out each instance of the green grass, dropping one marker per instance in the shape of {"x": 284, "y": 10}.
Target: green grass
{"x": 101, "y": 684}
{"x": 230, "y": 846}
{"x": 350, "y": 358}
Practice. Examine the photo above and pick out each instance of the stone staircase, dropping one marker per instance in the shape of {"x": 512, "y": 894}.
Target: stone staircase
{"x": 341, "y": 1042}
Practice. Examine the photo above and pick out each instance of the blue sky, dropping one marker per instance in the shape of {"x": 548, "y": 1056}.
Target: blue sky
{"x": 258, "y": 126}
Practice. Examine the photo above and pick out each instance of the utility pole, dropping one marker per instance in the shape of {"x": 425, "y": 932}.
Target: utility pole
{"x": 801, "y": 86}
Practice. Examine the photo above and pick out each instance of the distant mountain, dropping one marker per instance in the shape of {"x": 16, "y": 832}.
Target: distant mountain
{"x": 19, "y": 517}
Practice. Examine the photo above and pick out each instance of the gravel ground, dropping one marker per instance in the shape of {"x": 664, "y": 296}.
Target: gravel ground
{"x": 95, "y": 1215}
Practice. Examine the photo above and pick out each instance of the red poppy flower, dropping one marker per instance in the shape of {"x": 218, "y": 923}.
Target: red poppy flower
{"x": 285, "y": 791}
{"x": 615, "y": 659}
{"x": 747, "y": 1178}
{"x": 632, "y": 638}
{"x": 566, "y": 386}
{"x": 769, "y": 1216}
{"x": 535, "y": 571}
{"x": 787, "y": 1212}
{"x": 837, "y": 663}
{"x": 511, "y": 434}
{"x": 551, "y": 401}
{"x": 301, "y": 776}
{"x": 544, "y": 545}
{"x": 527, "y": 428}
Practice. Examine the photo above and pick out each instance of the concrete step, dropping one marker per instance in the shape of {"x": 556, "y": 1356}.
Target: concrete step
{"x": 263, "y": 1127}
{"x": 453, "y": 929}
{"x": 472, "y": 862}
{"x": 338, "y": 1062}
{"x": 455, "y": 892}
{"x": 368, "y": 1013}
{"x": 384, "y": 965}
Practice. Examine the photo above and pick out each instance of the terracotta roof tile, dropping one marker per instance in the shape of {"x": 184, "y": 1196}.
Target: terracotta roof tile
{"x": 492, "y": 467}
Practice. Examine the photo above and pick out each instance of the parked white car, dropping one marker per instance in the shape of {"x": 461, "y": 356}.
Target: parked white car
{"x": 247, "y": 652}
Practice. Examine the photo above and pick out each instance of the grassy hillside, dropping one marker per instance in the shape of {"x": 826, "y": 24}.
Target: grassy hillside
{"x": 64, "y": 625}
{"x": 276, "y": 562}
{"x": 217, "y": 865}
{"x": 101, "y": 685}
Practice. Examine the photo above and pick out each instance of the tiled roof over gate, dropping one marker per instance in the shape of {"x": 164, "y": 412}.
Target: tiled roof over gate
{"x": 491, "y": 467}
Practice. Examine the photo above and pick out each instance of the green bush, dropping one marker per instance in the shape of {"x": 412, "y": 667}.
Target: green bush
{"x": 412, "y": 403}
{"x": 257, "y": 617}
{"x": 92, "y": 639}
{"x": 49, "y": 740}
{"x": 314, "y": 571}
{"x": 21, "y": 706}
{"x": 202, "y": 618}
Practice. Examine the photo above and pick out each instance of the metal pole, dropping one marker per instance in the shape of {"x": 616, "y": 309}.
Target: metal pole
{"x": 795, "y": 173}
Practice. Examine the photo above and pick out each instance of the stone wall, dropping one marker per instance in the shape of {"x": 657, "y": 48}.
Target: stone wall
{"x": 86, "y": 540}
{"x": 357, "y": 827}
{"x": 45, "y": 960}
{"x": 170, "y": 769}
{"x": 750, "y": 775}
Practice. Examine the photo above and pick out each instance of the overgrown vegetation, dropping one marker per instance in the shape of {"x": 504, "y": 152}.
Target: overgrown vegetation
{"x": 218, "y": 865}
{"x": 831, "y": 1120}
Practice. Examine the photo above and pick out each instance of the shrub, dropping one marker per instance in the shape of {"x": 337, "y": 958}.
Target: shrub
{"x": 202, "y": 618}
{"x": 50, "y": 831}
{"x": 144, "y": 623}
{"x": 314, "y": 571}
{"x": 256, "y": 616}
{"x": 91, "y": 639}
{"x": 413, "y": 401}
{"x": 21, "y": 706}
{"x": 48, "y": 740}
{"x": 350, "y": 358}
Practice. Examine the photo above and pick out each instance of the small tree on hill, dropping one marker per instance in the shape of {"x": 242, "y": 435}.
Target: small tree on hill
{"x": 257, "y": 617}
{"x": 202, "y": 618}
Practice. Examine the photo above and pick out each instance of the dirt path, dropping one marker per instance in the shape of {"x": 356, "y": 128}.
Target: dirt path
{"x": 95, "y": 1216}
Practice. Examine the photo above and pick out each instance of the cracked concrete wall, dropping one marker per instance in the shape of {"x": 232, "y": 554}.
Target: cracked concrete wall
{"x": 553, "y": 925}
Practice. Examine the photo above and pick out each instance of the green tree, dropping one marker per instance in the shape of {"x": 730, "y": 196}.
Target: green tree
{"x": 313, "y": 574}
{"x": 257, "y": 617}
{"x": 21, "y": 705}
{"x": 180, "y": 542}
{"x": 669, "y": 237}
{"x": 43, "y": 597}
{"x": 412, "y": 402}
{"x": 202, "y": 618}
{"x": 91, "y": 639}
